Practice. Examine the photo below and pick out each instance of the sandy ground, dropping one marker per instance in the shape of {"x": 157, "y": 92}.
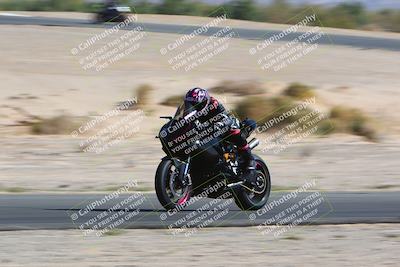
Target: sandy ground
{"x": 53, "y": 81}
{"x": 346, "y": 245}
{"x": 58, "y": 164}
{"x": 193, "y": 20}
{"x": 40, "y": 77}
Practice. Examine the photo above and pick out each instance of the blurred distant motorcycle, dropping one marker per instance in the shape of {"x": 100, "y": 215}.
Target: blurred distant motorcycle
{"x": 112, "y": 13}
{"x": 182, "y": 175}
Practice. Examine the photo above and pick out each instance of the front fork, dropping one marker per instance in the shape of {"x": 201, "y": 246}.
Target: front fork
{"x": 183, "y": 171}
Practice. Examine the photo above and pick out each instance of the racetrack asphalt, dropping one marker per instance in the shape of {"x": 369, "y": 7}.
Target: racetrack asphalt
{"x": 56, "y": 211}
{"x": 362, "y": 42}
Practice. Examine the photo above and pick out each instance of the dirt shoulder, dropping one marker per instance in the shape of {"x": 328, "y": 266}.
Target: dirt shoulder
{"x": 56, "y": 163}
{"x": 347, "y": 245}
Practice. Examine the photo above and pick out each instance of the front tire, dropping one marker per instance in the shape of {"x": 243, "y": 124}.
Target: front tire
{"x": 169, "y": 192}
{"x": 248, "y": 200}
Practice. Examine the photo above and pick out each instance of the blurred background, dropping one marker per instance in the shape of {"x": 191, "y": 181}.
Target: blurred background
{"x": 48, "y": 92}
{"x": 351, "y": 14}
{"x": 65, "y": 76}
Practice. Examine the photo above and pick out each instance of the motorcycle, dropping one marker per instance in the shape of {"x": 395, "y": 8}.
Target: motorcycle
{"x": 112, "y": 13}
{"x": 212, "y": 167}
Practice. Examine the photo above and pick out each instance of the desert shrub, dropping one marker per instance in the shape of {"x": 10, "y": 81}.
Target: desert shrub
{"x": 352, "y": 120}
{"x": 238, "y": 88}
{"x": 143, "y": 94}
{"x": 243, "y": 9}
{"x": 345, "y": 117}
{"x": 326, "y": 127}
{"x": 299, "y": 91}
{"x": 62, "y": 124}
{"x": 388, "y": 19}
{"x": 279, "y": 11}
{"x": 172, "y": 101}
{"x": 145, "y": 7}
{"x": 340, "y": 119}
{"x": 264, "y": 109}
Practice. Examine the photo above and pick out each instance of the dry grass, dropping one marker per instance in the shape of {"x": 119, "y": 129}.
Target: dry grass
{"x": 341, "y": 119}
{"x": 354, "y": 121}
{"x": 143, "y": 94}
{"x": 263, "y": 109}
{"x": 299, "y": 91}
{"x": 114, "y": 232}
{"x": 172, "y": 101}
{"x": 240, "y": 88}
{"x": 292, "y": 237}
{"x": 62, "y": 124}
{"x": 14, "y": 189}
{"x": 384, "y": 186}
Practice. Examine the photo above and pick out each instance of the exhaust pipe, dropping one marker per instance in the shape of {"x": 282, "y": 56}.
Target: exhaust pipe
{"x": 235, "y": 185}
{"x": 253, "y": 143}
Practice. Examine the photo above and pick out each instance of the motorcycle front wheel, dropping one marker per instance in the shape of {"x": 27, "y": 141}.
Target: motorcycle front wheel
{"x": 169, "y": 189}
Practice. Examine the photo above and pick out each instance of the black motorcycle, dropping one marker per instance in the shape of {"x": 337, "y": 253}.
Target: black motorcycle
{"x": 198, "y": 167}
{"x": 112, "y": 13}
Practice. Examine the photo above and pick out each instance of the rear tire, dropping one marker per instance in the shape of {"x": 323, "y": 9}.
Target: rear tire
{"x": 243, "y": 197}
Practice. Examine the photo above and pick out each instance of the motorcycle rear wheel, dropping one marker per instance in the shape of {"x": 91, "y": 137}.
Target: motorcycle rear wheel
{"x": 246, "y": 199}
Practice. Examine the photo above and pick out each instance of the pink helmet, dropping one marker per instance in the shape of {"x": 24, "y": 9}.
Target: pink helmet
{"x": 197, "y": 98}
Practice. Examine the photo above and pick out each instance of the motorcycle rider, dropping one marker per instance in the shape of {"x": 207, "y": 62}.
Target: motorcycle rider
{"x": 199, "y": 100}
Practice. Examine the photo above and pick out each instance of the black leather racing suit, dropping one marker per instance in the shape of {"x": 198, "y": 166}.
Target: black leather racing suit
{"x": 234, "y": 134}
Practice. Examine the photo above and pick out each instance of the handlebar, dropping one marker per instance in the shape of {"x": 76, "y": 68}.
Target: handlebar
{"x": 166, "y": 117}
